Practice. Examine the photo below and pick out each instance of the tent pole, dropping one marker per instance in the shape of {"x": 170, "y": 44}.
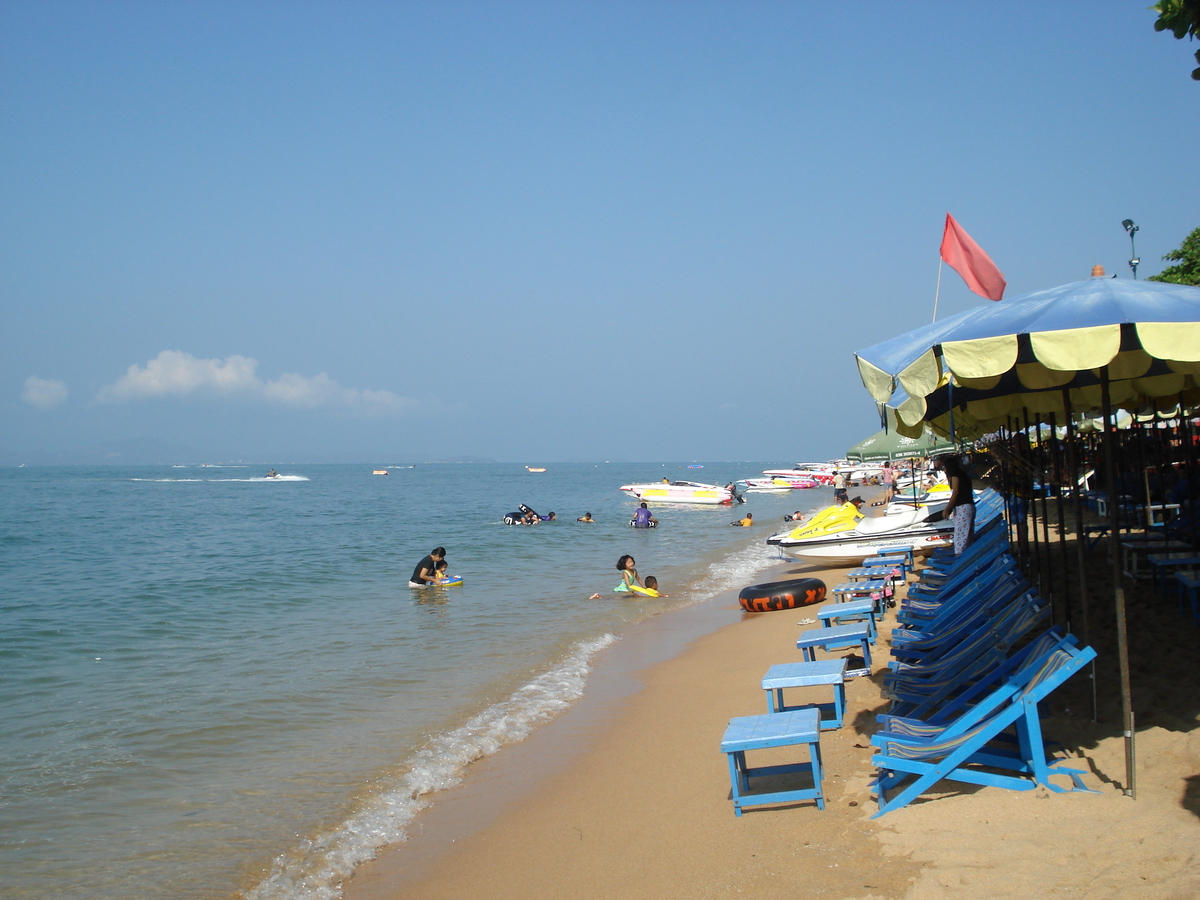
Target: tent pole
{"x": 1044, "y": 470}
{"x": 1080, "y": 539}
{"x": 1056, "y": 450}
{"x": 1186, "y": 436}
{"x": 1114, "y": 515}
{"x": 1007, "y": 473}
{"x": 1036, "y": 554}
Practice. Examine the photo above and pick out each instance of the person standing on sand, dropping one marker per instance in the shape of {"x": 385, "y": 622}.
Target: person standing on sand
{"x": 426, "y": 571}
{"x": 961, "y": 506}
{"x": 839, "y": 487}
{"x": 889, "y": 482}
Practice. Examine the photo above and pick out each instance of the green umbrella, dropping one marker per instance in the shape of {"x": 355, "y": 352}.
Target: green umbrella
{"x": 891, "y": 445}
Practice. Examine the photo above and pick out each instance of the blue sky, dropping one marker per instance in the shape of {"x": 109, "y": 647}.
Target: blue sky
{"x": 387, "y": 232}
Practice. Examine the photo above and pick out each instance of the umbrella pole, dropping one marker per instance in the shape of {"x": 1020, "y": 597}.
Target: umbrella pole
{"x": 1186, "y": 436}
{"x": 1056, "y": 450}
{"x": 1044, "y": 470}
{"x": 1075, "y": 469}
{"x": 1110, "y": 454}
{"x": 1007, "y": 473}
{"x": 1036, "y": 555}
{"x": 1020, "y": 507}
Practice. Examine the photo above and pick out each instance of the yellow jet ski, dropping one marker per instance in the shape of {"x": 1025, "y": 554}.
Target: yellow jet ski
{"x": 830, "y": 520}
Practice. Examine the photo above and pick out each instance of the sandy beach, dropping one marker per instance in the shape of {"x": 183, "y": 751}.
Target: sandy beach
{"x": 627, "y": 794}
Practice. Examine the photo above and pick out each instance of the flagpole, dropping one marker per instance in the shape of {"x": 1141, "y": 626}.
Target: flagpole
{"x": 937, "y": 292}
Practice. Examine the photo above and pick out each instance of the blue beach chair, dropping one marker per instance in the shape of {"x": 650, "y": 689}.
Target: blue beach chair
{"x": 915, "y": 755}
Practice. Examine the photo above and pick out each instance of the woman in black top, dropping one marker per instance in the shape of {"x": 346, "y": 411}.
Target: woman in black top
{"x": 961, "y": 506}
{"x": 426, "y": 571}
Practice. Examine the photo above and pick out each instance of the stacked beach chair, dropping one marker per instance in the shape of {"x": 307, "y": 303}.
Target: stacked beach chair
{"x": 972, "y": 656}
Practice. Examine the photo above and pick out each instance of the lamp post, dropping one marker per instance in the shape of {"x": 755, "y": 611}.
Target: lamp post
{"x": 1133, "y": 257}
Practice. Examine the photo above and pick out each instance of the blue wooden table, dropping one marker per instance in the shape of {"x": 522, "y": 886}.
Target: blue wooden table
{"x": 822, "y": 672}
{"x": 787, "y": 729}
{"x": 867, "y": 609}
{"x": 1189, "y": 582}
{"x": 1163, "y": 564}
{"x": 839, "y": 637}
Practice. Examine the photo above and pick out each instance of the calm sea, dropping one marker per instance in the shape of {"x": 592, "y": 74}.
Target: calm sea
{"x": 216, "y": 684}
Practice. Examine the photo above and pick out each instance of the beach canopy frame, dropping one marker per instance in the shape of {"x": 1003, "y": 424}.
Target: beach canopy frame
{"x": 1082, "y": 347}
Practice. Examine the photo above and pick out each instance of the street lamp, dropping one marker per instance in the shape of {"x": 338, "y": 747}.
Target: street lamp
{"x": 1133, "y": 257}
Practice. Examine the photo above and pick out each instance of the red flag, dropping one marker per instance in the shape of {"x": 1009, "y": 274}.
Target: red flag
{"x": 968, "y": 259}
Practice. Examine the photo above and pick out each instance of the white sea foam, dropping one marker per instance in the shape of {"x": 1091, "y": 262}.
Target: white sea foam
{"x": 316, "y": 869}
{"x": 265, "y": 478}
{"x": 735, "y": 571}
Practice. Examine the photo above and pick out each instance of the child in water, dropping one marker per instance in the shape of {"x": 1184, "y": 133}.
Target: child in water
{"x": 629, "y": 576}
{"x": 652, "y": 585}
{"x": 441, "y": 572}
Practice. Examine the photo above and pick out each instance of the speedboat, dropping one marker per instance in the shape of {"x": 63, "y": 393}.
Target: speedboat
{"x": 822, "y": 473}
{"x": 864, "y": 537}
{"x": 901, "y": 503}
{"x": 777, "y": 484}
{"x": 679, "y": 492}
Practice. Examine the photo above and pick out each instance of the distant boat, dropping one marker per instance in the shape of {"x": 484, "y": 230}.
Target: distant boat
{"x": 679, "y": 492}
{"x": 379, "y": 472}
{"x": 535, "y": 468}
{"x": 695, "y": 466}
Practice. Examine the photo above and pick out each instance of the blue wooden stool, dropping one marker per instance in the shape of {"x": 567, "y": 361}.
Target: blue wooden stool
{"x": 905, "y": 550}
{"x": 1189, "y": 582}
{"x": 838, "y": 637}
{"x": 856, "y": 590}
{"x": 786, "y": 729}
{"x": 864, "y": 610}
{"x": 900, "y": 561}
{"x": 809, "y": 674}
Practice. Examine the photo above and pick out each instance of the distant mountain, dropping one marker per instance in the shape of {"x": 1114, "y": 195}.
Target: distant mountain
{"x": 130, "y": 452}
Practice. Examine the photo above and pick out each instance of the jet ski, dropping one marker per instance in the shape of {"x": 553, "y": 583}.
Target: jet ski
{"x": 859, "y": 538}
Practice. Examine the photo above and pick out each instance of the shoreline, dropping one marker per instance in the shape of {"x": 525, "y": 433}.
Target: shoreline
{"x": 622, "y": 700}
{"x": 639, "y": 804}
{"x": 495, "y": 785}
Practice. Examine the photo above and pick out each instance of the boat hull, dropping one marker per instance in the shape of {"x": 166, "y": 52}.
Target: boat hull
{"x": 850, "y": 551}
{"x": 661, "y": 492}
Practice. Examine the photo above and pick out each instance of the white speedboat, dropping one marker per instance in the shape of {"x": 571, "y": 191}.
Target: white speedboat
{"x": 867, "y": 537}
{"x": 679, "y": 492}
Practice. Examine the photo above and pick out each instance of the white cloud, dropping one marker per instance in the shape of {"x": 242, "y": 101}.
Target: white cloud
{"x": 172, "y": 373}
{"x": 176, "y": 374}
{"x": 44, "y": 393}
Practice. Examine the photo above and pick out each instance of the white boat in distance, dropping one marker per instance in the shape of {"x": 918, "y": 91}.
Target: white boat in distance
{"x": 868, "y": 537}
{"x": 679, "y": 492}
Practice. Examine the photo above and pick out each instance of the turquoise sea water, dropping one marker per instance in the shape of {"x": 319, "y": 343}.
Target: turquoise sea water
{"x": 214, "y": 685}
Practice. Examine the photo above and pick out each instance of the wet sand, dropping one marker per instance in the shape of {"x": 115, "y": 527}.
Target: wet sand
{"x": 627, "y": 793}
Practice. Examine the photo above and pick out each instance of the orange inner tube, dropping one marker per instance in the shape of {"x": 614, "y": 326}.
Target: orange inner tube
{"x": 777, "y": 595}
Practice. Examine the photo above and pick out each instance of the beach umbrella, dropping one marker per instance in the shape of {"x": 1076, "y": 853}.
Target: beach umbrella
{"x": 892, "y": 445}
{"x": 1045, "y": 352}
{"x": 1078, "y": 348}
